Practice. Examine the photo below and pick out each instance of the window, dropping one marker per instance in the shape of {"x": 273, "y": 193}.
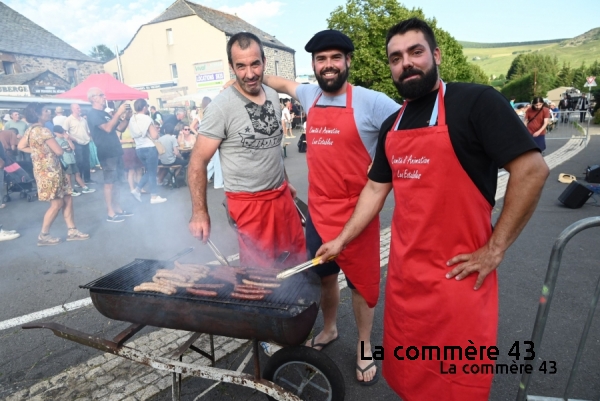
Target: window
{"x": 169, "y": 36}
{"x": 72, "y": 74}
{"x": 9, "y": 67}
{"x": 174, "y": 71}
{"x": 276, "y": 67}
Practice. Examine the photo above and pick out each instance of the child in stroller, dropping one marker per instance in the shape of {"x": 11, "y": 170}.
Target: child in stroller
{"x": 18, "y": 178}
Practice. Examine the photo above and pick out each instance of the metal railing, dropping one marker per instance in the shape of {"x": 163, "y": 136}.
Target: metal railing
{"x": 568, "y": 124}
{"x": 544, "y": 308}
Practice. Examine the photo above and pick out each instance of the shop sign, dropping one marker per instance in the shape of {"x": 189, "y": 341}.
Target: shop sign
{"x": 210, "y": 73}
{"x": 14, "y": 90}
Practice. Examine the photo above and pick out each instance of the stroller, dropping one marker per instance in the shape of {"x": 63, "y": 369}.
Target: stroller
{"x": 18, "y": 179}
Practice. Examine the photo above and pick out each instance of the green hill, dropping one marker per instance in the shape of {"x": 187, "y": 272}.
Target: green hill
{"x": 495, "y": 58}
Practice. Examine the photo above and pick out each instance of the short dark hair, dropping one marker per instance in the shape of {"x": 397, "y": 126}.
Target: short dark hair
{"x": 10, "y": 112}
{"x": 139, "y": 105}
{"x": 152, "y": 108}
{"x": 16, "y": 131}
{"x": 33, "y": 112}
{"x": 412, "y": 24}
{"x": 244, "y": 40}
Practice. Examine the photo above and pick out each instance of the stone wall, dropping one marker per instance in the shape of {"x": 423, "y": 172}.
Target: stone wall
{"x": 60, "y": 67}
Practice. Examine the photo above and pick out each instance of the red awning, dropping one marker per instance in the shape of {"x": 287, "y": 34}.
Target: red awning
{"x": 113, "y": 89}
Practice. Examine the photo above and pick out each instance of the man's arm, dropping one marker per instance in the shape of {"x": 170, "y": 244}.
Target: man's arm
{"x": 369, "y": 204}
{"x": 115, "y": 121}
{"x": 528, "y": 174}
{"x": 281, "y": 85}
{"x": 204, "y": 149}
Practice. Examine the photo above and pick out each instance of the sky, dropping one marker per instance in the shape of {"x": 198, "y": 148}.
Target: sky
{"x": 86, "y": 23}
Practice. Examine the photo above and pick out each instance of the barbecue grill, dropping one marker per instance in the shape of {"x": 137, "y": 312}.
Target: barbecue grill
{"x": 285, "y": 316}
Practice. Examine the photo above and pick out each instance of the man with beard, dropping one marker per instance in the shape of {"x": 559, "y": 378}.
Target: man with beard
{"x": 440, "y": 153}
{"x": 342, "y": 126}
{"x": 243, "y": 123}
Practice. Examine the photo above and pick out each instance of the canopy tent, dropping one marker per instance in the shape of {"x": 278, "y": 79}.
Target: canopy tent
{"x": 113, "y": 89}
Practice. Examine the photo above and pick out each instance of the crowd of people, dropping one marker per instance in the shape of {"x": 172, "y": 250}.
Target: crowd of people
{"x": 55, "y": 152}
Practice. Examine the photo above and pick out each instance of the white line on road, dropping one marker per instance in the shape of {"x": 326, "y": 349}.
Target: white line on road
{"x": 18, "y": 321}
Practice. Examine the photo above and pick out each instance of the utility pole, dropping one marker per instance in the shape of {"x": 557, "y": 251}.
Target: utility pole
{"x": 535, "y": 71}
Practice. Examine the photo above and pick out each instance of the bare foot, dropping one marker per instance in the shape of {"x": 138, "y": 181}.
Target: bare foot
{"x": 369, "y": 374}
{"x": 322, "y": 340}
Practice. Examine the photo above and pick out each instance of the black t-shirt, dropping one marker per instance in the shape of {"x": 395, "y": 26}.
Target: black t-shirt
{"x": 108, "y": 144}
{"x": 485, "y": 133}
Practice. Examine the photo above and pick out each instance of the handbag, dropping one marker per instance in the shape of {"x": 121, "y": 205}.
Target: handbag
{"x": 159, "y": 146}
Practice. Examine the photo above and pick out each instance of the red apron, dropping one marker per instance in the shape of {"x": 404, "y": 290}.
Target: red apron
{"x": 439, "y": 214}
{"x": 268, "y": 225}
{"x": 337, "y": 172}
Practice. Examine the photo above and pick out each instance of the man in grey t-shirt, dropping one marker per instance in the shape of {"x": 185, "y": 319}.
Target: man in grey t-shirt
{"x": 342, "y": 128}
{"x": 243, "y": 122}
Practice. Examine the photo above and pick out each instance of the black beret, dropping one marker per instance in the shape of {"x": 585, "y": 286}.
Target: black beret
{"x": 327, "y": 40}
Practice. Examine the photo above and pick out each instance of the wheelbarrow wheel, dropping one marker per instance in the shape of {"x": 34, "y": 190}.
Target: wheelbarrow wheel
{"x": 307, "y": 373}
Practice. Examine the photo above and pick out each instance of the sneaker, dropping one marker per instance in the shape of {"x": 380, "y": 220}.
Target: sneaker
{"x": 137, "y": 195}
{"x": 47, "y": 240}
{"x": 158, "y": 199}
{"x": 91, "y": 182}
{"x": 269, "y": 348}
{"x": 75, "y": 235}
{"x": 87, "y": 190}
{"x": 8, "y": 235}
{"x": 115, "y": 219}
{"x": 7, "y": 231}
{"x": 75, "y": 193}
{"x": 125, "y": 213}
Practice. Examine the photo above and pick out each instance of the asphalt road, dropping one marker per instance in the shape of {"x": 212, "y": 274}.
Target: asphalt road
{"x": 39, "y": 278}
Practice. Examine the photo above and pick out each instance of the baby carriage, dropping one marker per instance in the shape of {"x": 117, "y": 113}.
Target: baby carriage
{"x": 18, "y": 179}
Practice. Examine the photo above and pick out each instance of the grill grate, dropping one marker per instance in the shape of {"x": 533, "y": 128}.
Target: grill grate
{"x": 125, "y": 278}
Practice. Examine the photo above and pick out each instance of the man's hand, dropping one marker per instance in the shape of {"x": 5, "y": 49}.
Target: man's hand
{"x": 330, "y": 249}
{"x": 199, "y": 226}
{"x": 484, "y": 261}
{"x": 122, "y": 109}
{"x": 292, "y": 190}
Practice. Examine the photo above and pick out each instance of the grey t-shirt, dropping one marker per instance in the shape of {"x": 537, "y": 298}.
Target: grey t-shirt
{"x": 169, "y": 143}
{"x": 251, "y": 135}
{"x": 371, "y": 109}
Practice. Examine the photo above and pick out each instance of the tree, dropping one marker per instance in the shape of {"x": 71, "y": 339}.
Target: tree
{"x": 579, "y": 77}
{"x": 565, "y": 75}
{"x": 525, "y": 64}
{"x": 366, "y": 22}
{"x": 102, "y": 53}
{"x": 522, "y": 87}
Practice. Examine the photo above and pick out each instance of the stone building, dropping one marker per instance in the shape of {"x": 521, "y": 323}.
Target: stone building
{"x": 182, "y": 53}
{"x": 28, "y": 48}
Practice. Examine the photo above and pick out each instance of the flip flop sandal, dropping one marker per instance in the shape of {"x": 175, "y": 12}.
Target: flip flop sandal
{"x": 322, "y": 345}
{"x": 375, "y": 378}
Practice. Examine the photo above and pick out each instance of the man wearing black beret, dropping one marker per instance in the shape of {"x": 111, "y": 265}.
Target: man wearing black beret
{"x": 342, "y": 127}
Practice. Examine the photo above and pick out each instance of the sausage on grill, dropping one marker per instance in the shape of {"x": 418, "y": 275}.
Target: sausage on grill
{"x": 251, "y": 290}
{"x": 260, "y": 284}
{"x": 155, "y": 287}
{"x": 171, "y": 275}
{"x": 201, "y": 293}
{"x": 207, "y": 286}
{"x": 253, "y": 297}
{"x": 264, "y": 278}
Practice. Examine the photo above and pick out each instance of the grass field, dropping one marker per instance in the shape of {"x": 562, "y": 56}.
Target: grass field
{"x": 497, "y": 60}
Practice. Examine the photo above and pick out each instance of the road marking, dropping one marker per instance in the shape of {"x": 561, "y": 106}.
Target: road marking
{"x": 57, "y": 310}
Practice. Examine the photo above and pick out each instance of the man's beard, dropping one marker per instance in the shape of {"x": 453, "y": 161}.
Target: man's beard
{"x": 253, "y": 91}
{"x": 335, "y": 84}
{"x": 416, "y": 87}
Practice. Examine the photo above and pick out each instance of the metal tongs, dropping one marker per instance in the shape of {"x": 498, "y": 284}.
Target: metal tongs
{"x": 222, "y": 260}
{"x": 301, "y": 267}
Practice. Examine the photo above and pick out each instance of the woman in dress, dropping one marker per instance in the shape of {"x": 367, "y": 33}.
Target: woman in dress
{"x": 51, "y": 181}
